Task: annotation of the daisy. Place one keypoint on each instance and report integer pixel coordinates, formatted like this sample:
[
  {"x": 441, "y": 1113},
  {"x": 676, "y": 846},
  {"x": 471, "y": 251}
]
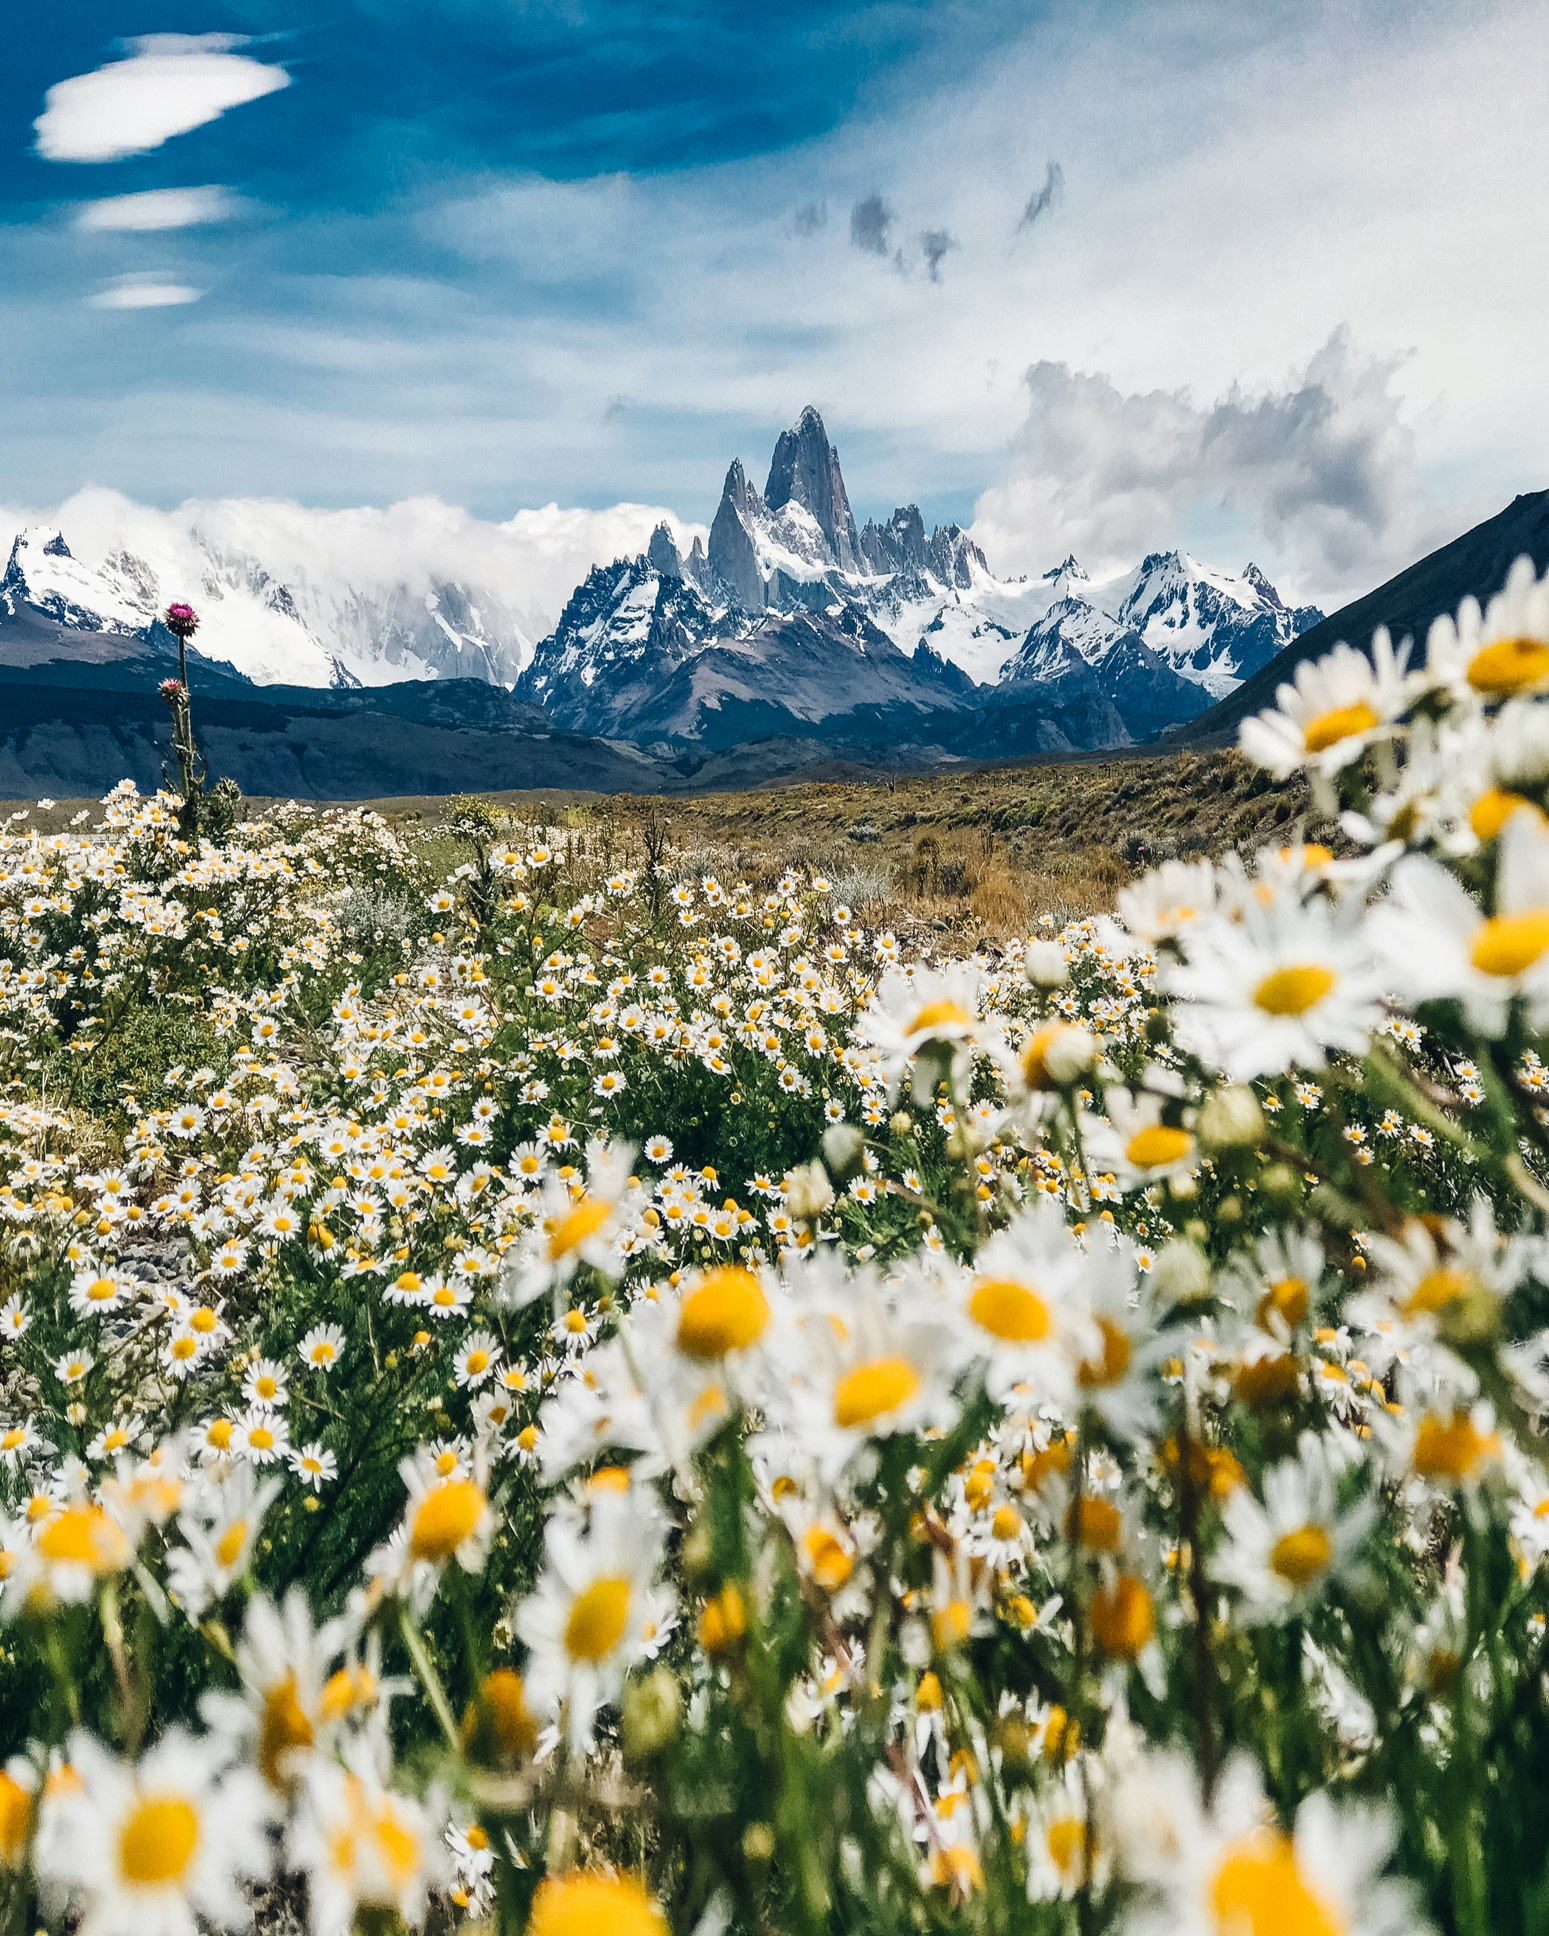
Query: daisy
[
  {"x": 930, "y": 1009},
  {"x": 1231, "y": 1868},
  {"x": 1283, "y": 1554},
  {"x": 321, "y": 1348},
  {"x": 1435, "y": 942},
  {"x": 265, "y": 1386},
  {"x": 877, "y": 1376},
  {"x": 1500, "y": 655},
  {"x": 1336, "y": 708},
  {"x": 1024, "y": 1307},
  {"x": 361, "y": 1845},
  {"x": 312, "y": 1465},
  {"x": 14, "y": 1316},
  {"x": 594, "y": 1612},
  {"x": 221, "y": 1528},
  {"x": 284, "y": 1663},
  {"x": 75, "y": 1547},
  {"x": 94, "y": 1292},
  {"x": 1275, "y": 989},
  {"x": 573, "y": 1230},
  {"x": 1135, "y": 1146},
  {"x": 262, "y": 1437},
  {"x": 162, "y": 1845},
  {"x": 477, "y": 1360}
]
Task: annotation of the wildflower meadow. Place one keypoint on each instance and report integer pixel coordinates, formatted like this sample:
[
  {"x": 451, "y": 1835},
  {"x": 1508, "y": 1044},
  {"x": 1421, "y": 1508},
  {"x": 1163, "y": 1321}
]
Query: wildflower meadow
[{"x": 546, "y": 1391}]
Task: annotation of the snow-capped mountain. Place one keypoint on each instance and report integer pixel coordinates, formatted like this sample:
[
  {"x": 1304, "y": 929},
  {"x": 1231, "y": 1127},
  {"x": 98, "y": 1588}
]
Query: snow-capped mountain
[
  {"x": 299, "y": 633},
  {"x": 1074, "y": 636},
  {"x": 688, "y": 649},
  {"x": 1208, "y": 625},
  {"x": 643, "y": 653},
  {"x": 782, "y": 617}
]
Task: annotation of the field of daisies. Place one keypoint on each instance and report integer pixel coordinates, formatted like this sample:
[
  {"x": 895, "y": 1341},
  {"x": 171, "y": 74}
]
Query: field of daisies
[{"x": 544, "y": 1389}]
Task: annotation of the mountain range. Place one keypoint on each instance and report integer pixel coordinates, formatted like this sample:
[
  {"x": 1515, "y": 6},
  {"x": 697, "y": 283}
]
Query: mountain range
[{"x": 786, "y": 624}]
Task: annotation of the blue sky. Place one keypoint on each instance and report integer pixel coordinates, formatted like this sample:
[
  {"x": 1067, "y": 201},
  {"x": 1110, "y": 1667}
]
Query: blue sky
[{"x": 1262, "y": 280}]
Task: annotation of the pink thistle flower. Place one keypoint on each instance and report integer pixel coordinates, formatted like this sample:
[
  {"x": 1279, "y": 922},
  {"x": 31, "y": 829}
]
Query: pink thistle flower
[{"x": 182, "y": 621}]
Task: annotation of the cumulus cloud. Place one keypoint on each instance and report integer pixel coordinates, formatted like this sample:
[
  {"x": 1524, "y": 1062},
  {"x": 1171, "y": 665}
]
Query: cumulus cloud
[
  {"x": 532, "y": 562},
  {"x": 1324, "y": 468},
  {"x": 159, "y": 208},
  {"x": 1043, "y": 199},
  {"x": 144, "y": 292},
  {"x": 934, "y": 245},
  {"x": 169, "y": 84},
  {"x": 870, "y": 220}
]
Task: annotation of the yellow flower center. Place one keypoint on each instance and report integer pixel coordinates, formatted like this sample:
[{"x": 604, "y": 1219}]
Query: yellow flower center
[
  {"x": 260, "y": 1438},
  {"x": 84, "y": 1536},
  {"x": 1258, "y": 1891},
  {"x": 597, "y": 1620},
  {"x": 1510, "y": 944},
  {"x": 1342, "y": 722},
  {"x": 936, "y": 1017},
  {"x": 219, "y": 1433},
  {"x": 1301, "y": 1556},
  {"x": 1437, "y": 1289},
  {"x": 322, "y": 1354},
  {"x": 874, "y": 1389},
  {"x": 726, "y": 1311},
  {"x": 1288, "y": 1299},
  {"x": 1007, "y": 1523},
  {"x": 14, "y": 1438},
  {"x": 228, "y": 1548},
  {"x": 398, "y": 1843},
  {"x": 585, "y": 1220},
  {"x": 15, "y": 1819},
  {"x": 477, "y": 1361},
  {"x": 1292, "y": 991},
  {"x": 588, "y": 1904},
  {"x": 1494, "y": 808},
  {"x": 831, "y": 1565},
  {"x": 1452, "y": 1447},
  {"x": 282, "y": 1726},
  {"x": 445, "y": 1518},
  {"x": 185, "y": 1348},
  {"x": 157, "y": 1842},
  {"x": 1123, "y": 1619},
  {"x": 100, "y": 1290},
  {"x": 265, "y": 1386},
  {"x": 1098, "y": 1525},
  {"x": 1094, "y": 1373},
  {"x": 1008, "y": 1310},
  {"x": 408, "y": 1283},
  {"x": 1507, "y": 665},
  {"x": 1067, "y": 1847},
  {"x": 1156, "y": 1147},
  {"x": 1035, "y": 1056}
]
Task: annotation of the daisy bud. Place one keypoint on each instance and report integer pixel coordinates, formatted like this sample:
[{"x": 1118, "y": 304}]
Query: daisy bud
[
  {"x": 842, "y": 1145},
  {"x": 1044, "y": 965},
  {"x": 808, "y": 1192},
  {"x": 1181, "y": 1274},
  {"x": 1230, "y": 1119},
  {"x": 651, "y": 1707}
]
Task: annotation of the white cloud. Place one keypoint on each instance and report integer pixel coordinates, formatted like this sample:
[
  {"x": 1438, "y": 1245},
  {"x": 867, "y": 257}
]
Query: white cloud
[
  {"x": 169, "y": 84},
  {"x": 144, "y": 292},
  {"x": 532, "y": 562},
  {"x": 1324, "y": 467},
  {"x": 159, "y": 208}
]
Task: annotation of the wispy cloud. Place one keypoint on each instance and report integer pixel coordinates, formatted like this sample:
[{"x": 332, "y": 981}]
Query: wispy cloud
[
  {"x": 169, "y": 84},
  {"x": 159, "y": 208},
  {"x": 144, "y": 292},
  {"x": 811, "y": 218},
  {"x": 1043, "y": 199},
  {"x": 870, "y": 220}
]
